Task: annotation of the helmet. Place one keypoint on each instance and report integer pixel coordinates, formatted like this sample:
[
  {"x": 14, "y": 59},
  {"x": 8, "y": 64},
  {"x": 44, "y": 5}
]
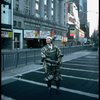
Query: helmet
[{"x": 49, "y": 37}]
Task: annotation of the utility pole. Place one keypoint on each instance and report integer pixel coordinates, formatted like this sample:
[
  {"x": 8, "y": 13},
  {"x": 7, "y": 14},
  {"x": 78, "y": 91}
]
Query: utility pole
[{"x": 12, "y": 24}]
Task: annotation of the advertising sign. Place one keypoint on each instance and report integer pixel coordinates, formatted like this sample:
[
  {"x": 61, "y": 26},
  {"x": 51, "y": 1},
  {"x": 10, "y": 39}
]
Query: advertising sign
[
  {"x": 72, "y": 32},
  {"x": 29, "y": 34},
  {"x": 6, "y": 34},
  {"x": 43, "y": 34}
]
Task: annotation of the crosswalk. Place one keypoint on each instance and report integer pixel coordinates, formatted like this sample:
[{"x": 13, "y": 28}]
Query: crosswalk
[{"x": 80, "y": 82}]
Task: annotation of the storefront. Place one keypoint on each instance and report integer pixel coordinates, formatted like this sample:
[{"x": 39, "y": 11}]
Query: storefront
[
  {"x": 6, "y": 40},
  {"x": 17, "y": 39},
  {"x": 35, "y": 39}
]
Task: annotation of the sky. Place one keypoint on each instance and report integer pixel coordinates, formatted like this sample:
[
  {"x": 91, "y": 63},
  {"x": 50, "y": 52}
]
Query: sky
[{"x": 93, "y": 13}]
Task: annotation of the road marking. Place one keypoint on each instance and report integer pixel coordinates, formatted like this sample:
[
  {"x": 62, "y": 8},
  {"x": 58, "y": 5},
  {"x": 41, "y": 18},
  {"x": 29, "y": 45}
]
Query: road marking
[
  {"x": 75, "y": 67},
  {"x": 91, "y": 57},
  {"x": 8, "y": 77},
  {"x": 85, "y": 62},
  {"x": 61, "y": 88},
  {"x": 87, "y": 79},
  {"x": 3, "y": 97},
  {"x": 81, "y": 65},
  {"x": 80, "y": 70}
]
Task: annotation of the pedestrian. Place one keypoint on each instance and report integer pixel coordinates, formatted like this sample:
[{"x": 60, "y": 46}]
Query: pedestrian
[{"x": 51, "y": 57}]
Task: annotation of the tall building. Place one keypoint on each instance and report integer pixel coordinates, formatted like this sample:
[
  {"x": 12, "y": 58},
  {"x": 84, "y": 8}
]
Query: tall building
[
  {"x": 82, "y": 9},
  {"x": 6, "y": 24},
  {"x": 83, "y": 17},
  {"x": 73, "y": 22},
  {"x": 34, "y": 19}
]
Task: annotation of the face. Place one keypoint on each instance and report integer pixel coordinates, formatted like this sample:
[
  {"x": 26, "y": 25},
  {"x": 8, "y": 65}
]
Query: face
[{"x": 48, "y": 40}]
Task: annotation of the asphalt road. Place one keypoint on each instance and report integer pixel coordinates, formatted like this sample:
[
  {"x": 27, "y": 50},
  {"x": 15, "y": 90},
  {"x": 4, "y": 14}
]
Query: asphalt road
[{"x": 80, "y": 82}]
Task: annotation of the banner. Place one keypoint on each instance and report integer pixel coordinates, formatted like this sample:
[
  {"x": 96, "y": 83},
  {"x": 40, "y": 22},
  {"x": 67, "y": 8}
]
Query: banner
[
  {"x": 6, "y": 34},
  {"x": 29, "y": 34},
  {"x": 44, "y": 34}
]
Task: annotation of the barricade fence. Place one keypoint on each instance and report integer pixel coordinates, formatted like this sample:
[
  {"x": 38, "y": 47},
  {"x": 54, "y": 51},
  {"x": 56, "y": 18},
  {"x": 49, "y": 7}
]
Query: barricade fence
[{"x": 16, "y": 58}]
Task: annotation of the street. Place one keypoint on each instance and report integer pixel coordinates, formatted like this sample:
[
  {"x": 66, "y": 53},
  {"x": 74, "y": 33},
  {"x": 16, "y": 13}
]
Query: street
[{"x": 80, "y": 82}]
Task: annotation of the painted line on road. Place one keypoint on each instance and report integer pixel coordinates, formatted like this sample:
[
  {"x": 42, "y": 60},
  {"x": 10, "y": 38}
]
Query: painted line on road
[
  {"x": 81, "y": 78},
  {"x": 85, "y": 62},
  {"x": 21, "y": 73},
  {"x": 91, "y": 56},
  {"x": 80, "y": 65},
  {"x": 61, "y": 88},
  {"x": 80, "y": 70},
  {"x": 3, "y": 97}
]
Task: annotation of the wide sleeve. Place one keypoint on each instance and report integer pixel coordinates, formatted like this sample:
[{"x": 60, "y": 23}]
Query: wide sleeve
[
  {"x": 43, "y": 57},
  {"x": 60, "y": 55},
  {"x": 43, "y": 54}
]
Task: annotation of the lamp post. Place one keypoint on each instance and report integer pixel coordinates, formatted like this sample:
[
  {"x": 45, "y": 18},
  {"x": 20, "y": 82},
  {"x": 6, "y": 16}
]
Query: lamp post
[{"x": 12, "y": 24}]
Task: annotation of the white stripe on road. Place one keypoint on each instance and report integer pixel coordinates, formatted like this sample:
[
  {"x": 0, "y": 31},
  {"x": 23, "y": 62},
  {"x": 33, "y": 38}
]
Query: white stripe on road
[
  {"x": 80, "y": 70},
  {"x": 61, "y": 88},
  {"x": 94, "y": 80},
  {"x": 21, "y": 73},
  {"x": 80, "y": 65},
  {"x": 85, "y": 62}
]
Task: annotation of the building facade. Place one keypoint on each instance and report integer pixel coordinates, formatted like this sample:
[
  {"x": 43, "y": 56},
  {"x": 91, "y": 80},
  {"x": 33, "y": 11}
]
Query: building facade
[
  {"x": 83, "y": 31},
  {"x": 83, "y": 17},
  {"x": 6, "y": 24},
  {"x": 82, "y": 11},
  {"x": 73, "y": 22},
  {"x": 33, "y": 20}
]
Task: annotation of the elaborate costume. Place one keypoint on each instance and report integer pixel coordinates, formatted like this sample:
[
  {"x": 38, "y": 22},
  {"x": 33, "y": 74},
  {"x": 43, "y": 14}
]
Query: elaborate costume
[{"x": 51, "y": 58}]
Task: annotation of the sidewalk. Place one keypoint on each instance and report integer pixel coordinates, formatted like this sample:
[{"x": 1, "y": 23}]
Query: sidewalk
[{"x": 32, "y": 67}]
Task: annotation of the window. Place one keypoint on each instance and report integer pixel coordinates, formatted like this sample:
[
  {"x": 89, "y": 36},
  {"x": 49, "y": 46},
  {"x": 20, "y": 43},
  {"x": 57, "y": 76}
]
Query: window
[
  {"x": 9, "y": 6},
  {"x": 19, "y": 24},
  {"x": 3, "y": 11},
  {"x": 52, "y": 13},
  {"x": 3, "y": 5},
  {"x": 45, "y": 2},
  {"x": 37, "y": 0},
  {"x": 26, "y": 10},
  {"x": 17, "y": 7},
  {"x": 52, "y": 5},
  {"x": 37, "y": 6},
  {"x": 45, "y": 17},
  {"x": 26, "y": 2},
  {"x": 37, "y": 15},
  {"x": 15, "y": 23}
]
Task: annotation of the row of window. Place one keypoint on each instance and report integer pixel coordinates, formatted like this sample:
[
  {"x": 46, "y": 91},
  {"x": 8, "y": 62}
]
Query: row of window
[{"x": 17, "y": 24}]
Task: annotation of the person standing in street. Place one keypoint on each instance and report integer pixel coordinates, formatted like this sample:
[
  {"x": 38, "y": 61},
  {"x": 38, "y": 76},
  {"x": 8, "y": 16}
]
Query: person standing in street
[{"x": 51, "y": 57}]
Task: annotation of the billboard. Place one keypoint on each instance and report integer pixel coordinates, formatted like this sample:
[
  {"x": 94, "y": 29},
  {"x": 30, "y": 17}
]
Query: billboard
[
  {"x": 29, "y": 34},
  {"x": 36, "y": 34}
]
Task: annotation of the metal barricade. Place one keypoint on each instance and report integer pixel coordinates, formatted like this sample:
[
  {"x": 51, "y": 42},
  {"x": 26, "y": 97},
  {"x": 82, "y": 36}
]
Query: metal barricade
[{"x": 17, "y": 58}]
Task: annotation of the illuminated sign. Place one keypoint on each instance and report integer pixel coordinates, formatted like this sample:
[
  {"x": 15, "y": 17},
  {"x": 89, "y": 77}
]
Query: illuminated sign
[{"x": 72, "y": 34}]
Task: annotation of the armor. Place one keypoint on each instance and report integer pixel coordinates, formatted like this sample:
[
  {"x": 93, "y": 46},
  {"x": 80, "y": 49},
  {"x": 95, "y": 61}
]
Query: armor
[{"x": 51, "y": 59}]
